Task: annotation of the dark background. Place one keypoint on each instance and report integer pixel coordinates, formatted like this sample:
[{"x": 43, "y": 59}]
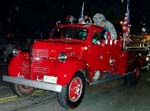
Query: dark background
[{"x": 28, "y": 18}]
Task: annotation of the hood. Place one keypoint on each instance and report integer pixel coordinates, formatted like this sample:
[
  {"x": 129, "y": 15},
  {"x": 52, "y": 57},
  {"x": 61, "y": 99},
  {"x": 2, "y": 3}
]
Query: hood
[{"x": 52, "y": 48}]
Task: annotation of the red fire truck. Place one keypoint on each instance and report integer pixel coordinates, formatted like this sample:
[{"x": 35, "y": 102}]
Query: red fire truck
[{"x": 74, "y": 56}]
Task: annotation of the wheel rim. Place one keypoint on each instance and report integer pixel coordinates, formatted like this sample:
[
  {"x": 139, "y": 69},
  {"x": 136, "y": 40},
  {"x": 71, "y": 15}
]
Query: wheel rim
[
  {"x": 75, "y": 89},
  {"x": 26, "y": 88},
  {"x": 137, "y": 73}
]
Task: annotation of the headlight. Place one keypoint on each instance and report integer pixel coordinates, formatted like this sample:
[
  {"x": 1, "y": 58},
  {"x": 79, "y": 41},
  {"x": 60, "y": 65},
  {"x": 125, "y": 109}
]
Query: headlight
[
  {"x": 147, "y": 58},
  {"x": 15, "y": 52},
  {"x": 62, "y": 57}
]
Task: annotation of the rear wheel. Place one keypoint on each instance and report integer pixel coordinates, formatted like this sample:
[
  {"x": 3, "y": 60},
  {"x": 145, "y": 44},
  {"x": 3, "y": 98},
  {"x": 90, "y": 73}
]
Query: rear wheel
[
  {"x": 134, "y": 78},
  {"x": 22, "y": 90},
  {"x": 72, "y": 94},
  {"x": 148, "y": 67}
]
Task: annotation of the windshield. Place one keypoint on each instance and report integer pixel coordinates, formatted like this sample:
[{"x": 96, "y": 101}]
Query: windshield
[{"x": 69, "y": 33}]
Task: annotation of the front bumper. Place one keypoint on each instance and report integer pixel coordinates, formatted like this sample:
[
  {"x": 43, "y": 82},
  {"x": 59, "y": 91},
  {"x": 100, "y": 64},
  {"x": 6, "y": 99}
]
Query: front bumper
[{"x": 36, "y": 84}]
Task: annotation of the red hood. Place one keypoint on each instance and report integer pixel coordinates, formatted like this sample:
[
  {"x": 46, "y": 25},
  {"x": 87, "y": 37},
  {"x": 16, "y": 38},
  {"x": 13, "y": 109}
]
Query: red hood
[{"x": 54, "y": 47}]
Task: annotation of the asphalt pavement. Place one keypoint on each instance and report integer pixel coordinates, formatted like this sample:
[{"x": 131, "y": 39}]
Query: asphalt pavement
[{"x": 111, "y": 96}]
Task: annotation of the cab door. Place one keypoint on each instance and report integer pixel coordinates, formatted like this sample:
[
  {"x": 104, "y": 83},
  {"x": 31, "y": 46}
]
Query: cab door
[{"x": 98, "y": 53}]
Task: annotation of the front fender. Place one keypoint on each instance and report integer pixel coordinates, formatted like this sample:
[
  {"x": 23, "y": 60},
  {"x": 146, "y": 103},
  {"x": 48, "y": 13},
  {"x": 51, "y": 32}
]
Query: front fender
[
  {"x": 16, "y": 63},
  {"x": 66, "y": 71}
]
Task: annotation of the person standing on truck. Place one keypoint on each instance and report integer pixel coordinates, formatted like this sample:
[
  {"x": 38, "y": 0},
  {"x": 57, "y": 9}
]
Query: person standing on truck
[{"x": 99, "y": 19}]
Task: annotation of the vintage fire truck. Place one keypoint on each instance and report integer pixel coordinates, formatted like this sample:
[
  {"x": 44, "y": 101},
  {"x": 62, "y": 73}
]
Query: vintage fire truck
[{"x": 74, "y": 56}]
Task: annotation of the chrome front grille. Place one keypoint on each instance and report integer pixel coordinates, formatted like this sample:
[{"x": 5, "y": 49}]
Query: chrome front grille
[
  {"x": 40, "y": 65},
  {"x": 40, "y": 69},
  {"x": 25, "y": 68},
  {"x": 43, "y": 53}
]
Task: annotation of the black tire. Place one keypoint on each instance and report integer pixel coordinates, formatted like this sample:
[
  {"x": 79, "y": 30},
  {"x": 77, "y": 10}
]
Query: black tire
[
  {"x": 21, "y": 90},
  {"x": 148, "y": 68},
  {"x": 134, "y": 78},
  {"x": 73, "y": 93}
]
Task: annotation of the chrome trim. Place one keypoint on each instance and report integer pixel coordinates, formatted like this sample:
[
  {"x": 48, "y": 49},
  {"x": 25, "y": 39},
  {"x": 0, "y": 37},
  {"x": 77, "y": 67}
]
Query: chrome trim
[
  {"x": 36, "y": 84},
  {"x": 62, "y": 57}
]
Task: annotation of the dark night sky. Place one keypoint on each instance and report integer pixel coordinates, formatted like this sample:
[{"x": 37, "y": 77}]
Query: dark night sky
[{"x": 33, "y": 16}]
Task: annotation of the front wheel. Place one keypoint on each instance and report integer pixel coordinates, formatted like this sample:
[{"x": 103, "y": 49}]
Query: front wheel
[
  {"x": 72, "y": 94},
  {"x": 22, "y": 90}
]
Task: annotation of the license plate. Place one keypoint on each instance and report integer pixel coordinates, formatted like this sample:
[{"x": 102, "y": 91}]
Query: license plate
[{"x": 50, "y": 79}]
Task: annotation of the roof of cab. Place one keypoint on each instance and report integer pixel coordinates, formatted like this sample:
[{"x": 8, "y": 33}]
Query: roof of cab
[{"x": 87, "y": 26}]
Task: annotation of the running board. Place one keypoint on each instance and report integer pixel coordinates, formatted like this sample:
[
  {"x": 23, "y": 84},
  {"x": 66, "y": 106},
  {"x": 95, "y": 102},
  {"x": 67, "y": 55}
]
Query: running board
[{"x": 110, "y": 78}]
